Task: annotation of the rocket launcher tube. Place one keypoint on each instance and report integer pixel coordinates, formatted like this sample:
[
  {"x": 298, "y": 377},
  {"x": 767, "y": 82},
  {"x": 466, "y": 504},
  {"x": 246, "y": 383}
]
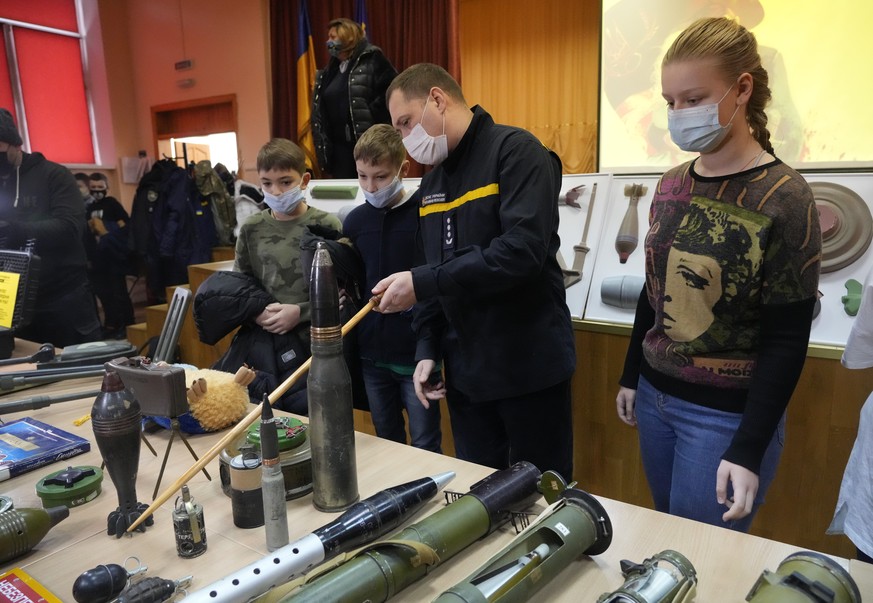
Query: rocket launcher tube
[
  {"x": 364, "y": 522},
  {"x": 805, "y": 576},
  {"x": 577, "y": 524},
  {"x": 383, "y": 571}
]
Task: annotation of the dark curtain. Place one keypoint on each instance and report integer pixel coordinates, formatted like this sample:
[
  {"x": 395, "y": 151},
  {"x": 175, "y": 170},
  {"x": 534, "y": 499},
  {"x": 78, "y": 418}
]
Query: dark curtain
[
  {"x": 283, "y": 61},
  {"x": 407, "y": 31}
]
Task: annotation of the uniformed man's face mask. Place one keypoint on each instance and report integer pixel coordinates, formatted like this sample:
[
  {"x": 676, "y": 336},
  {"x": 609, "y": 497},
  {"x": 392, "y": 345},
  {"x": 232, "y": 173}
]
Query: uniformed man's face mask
[{"x": 424, "y": 148}]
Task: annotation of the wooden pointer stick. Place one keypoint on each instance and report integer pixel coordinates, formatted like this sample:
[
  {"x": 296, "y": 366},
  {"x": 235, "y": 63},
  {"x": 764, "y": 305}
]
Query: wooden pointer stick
[{"x": 240, "y": 427}]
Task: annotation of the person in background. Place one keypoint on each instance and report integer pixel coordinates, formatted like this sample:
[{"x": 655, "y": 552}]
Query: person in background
[
  {"x": 383, "y": 230},
  {"x": 39, "y": 201},
  {"x": 854, "y": 509},
  {"x": 82, "y": 180},
  {"x": 491, "y": 301},
  {"x": 107, "y": 246},
  {"x": 349, "y": 96},
  {"x": 732, "y": 265}
]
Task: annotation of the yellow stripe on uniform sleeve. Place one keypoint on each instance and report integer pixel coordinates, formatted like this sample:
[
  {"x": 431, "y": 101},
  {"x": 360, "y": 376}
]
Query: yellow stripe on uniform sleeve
[{"x": 477, "y": 193}]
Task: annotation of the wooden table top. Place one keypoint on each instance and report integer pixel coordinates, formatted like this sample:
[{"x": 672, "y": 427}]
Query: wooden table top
[{"x": 727, "y": 563}]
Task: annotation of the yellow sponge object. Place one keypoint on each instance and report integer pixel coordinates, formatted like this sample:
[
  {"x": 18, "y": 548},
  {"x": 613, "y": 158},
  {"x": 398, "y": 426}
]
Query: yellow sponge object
[{"x": 216, "y": 399}]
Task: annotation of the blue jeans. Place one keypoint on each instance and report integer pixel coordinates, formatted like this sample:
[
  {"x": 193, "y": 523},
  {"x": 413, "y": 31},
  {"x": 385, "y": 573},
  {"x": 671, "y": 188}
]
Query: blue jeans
[
  {"x": 682, "y": 444},
  {"x": 389, "y": 393}
]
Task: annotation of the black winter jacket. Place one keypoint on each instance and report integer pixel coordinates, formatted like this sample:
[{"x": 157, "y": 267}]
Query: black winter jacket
[
  {"x": 371, "y": 73},
  {"x": 227, "y": 300},
  {"x": 491, "y": 295},
  {"x": 42, "y": 202},
  {"x": 386, "y": 239}
]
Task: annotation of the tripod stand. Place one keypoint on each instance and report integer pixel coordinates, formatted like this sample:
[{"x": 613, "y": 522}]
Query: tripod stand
[{"x": 174, "y": 430}]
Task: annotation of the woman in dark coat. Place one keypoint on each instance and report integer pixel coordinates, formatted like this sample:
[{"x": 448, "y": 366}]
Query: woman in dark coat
[{"x": 349, "y": 96}]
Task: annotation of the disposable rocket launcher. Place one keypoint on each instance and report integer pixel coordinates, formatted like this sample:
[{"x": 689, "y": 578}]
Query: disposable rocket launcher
[
  {"x": 364, "y": 522},
  {"x": 805, "y": 576},
  {"x": 385, "y": 569},
  {"x": 575, "y": 525}
]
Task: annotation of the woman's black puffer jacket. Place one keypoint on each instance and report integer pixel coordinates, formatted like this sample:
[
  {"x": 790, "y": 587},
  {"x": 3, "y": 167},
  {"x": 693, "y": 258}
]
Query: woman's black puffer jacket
[{"x": 371, "y": 73}]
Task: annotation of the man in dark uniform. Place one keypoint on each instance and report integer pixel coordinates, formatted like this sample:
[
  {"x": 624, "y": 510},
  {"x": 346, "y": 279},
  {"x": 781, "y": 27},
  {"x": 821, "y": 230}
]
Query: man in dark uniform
[
  {"x": 490, "y": 299},
  {"x": 40, "y": 201}
]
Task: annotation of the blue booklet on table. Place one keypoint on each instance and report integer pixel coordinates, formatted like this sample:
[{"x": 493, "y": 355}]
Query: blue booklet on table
[{"x": 27, "y": 444}]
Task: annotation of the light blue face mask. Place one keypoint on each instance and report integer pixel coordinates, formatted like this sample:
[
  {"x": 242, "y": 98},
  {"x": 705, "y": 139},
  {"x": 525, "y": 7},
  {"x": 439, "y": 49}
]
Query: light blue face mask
[
  {"x": 382, "y": 197},
  {"x": 697, "y": 129},
  {"x": 286, "y": 202}
]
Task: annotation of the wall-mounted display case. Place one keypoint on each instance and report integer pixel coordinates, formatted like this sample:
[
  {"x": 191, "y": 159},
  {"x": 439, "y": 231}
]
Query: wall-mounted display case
[{"x": 602, "y": 243}]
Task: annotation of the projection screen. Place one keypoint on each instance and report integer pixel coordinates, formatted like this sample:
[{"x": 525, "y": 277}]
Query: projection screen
[{"x": 818, "y": 55}]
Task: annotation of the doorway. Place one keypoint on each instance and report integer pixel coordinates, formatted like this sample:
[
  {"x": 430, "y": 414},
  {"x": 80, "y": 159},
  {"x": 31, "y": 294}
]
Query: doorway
[{"x": 190, "y": 131}]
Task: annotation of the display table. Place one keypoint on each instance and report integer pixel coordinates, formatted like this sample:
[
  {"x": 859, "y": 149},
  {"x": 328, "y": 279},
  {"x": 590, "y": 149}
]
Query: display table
[{"x": 727, "y": 563}]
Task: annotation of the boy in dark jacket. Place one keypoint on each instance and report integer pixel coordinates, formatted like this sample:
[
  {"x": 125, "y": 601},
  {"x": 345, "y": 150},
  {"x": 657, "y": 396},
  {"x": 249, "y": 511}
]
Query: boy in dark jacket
[{"x": 383, "y": 229}]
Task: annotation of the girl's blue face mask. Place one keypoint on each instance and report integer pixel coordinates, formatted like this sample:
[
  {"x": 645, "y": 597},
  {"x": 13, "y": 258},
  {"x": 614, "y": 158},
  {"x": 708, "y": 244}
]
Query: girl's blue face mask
[{"x": 697, "y": 129}]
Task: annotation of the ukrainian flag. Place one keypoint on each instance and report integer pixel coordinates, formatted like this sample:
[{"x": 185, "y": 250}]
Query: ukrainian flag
[
  {"x": 305, "y": 86},
  {"x": 361, "y": 14}
]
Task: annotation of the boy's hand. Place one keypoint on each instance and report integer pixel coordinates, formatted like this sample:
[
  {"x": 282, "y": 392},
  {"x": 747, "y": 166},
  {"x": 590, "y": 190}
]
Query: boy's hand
[
  {"x": 397, "y": 292},
  {"x": 428, "y": 385},
  {"x": 279, "y": 318},
  {"x": 343, "y": 299}
]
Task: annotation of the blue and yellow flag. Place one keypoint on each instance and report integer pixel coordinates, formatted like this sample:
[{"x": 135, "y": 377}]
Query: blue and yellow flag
[
  {"x": 305, "y": 86},
  {"x": 361, "y": 14}
]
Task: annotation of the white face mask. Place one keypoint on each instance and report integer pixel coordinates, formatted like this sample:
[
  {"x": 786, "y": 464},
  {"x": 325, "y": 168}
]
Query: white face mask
[
  {"x": 424, "y": 148},
  {"x": 286, "y": 202},
  {"x": 697, "y": 129},
  {"x": 382, "y": 197}
]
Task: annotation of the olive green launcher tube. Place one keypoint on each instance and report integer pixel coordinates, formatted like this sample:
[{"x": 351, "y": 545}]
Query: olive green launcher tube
[
  {"x": 578, "y": 526},
  {"x": 383, "y": 571}
]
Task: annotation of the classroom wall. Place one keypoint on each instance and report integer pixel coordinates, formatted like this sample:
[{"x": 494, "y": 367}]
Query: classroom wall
[{"x": 228, "y": 41}]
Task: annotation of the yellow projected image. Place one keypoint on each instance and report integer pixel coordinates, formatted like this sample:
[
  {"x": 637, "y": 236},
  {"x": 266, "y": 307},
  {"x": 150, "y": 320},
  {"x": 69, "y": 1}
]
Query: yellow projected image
[{"x": 817, "y": 56}]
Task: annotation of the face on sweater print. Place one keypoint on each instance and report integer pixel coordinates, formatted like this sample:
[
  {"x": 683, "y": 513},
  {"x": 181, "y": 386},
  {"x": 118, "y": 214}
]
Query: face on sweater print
[
  {"x": 712, "y": 270},
  {"x": 692, "y": 289}
]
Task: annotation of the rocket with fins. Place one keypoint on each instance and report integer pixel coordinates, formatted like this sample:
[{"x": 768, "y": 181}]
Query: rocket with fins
[{"x": 362, "y": 523}]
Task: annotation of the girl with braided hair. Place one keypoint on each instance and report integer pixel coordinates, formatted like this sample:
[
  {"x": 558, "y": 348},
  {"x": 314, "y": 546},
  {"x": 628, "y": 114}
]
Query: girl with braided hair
[{"x": 732, "y": 264}]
